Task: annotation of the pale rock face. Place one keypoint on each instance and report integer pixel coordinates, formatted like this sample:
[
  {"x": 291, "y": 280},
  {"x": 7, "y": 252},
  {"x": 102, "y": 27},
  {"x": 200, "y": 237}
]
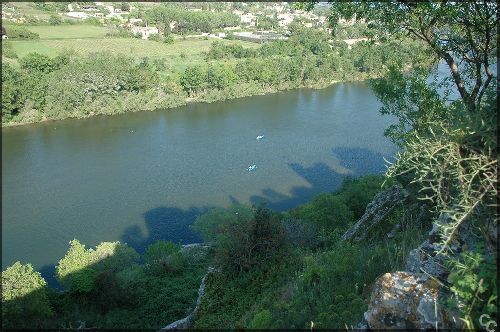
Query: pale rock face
[
  {"x": 411, "y": 298},
  {"x": 404, "y": 300}
]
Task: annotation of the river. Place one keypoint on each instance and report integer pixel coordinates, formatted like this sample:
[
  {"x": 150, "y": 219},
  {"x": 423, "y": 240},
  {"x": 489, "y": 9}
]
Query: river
[{"x": 143, "y": 176}]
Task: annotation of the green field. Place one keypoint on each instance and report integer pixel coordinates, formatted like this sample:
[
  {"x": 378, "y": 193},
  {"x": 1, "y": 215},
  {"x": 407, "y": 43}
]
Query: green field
[
  {"x": 68, "y": 31},
  {"x": 193, "y": 49}
]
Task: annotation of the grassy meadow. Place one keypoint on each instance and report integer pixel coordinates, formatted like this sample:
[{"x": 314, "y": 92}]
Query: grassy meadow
[
  {"x": 76, "y": 31},
  {"x": 84, "y": 39}
]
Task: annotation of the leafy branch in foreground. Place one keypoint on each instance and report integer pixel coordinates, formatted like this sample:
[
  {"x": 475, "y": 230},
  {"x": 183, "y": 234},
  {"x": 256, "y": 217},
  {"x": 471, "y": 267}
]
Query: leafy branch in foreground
[
  {"x": 463, "y": 34},
  {"x": 457, "y": 184}
]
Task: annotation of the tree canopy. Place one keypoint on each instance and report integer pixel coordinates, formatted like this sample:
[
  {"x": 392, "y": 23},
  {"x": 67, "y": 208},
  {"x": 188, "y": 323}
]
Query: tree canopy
[{"x": 462, "y": 33}]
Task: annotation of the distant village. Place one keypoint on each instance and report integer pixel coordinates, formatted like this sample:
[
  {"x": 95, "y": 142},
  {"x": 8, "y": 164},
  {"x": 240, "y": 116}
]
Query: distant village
[{"x": 123, "y": 15}]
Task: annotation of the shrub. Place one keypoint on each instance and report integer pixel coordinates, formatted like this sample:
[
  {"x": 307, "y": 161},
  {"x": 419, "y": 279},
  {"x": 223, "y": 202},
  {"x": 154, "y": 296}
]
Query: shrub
[
  {"x": 12, "y": 98},
  {"x": 473, "y": 282},
  {"x": 100, "y": 75},
  {"x": 165, "y": 256},
  {"x": 169, "y": 39},
  {"x": 8, "y": 51},
  {"x": 14, "y": 32},
  {"x": 359, "y": 192},
  {"x": 242, "y": 242},
  {"x": 261, "y": 320},
  {"x": 79, "y": 268},
  {"x": 328, "y": 211},
  {"x": 193, "y": 79},
  {"x": 24, "y": 298},
  {"x": 55, "y": 20},
  {"x": 37, "y": 62},
  {"x": 300, "y": 233},
  {"x": 154, "y": 37}
]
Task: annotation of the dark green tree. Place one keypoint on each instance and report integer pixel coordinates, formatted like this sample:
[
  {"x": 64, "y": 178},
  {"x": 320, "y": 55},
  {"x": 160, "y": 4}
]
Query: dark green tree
[
  {"x": 193, "y": 79},
  {"x": 12, "y": 97},
  {"x": 55, "y": 20},
  {"x": 24, "y": 298}
]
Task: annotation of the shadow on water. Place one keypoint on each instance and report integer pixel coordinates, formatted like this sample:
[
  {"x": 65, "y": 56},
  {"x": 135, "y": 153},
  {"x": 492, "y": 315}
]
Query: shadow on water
[
  {"x": 322, "y": 178},
  {"x": 164, "y": 223},
  {"x": 172, "y": 223}
]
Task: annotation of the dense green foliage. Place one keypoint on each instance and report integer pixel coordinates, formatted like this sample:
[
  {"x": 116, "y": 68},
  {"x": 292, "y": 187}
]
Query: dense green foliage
[
  {"x": 105, "y": 287},
  {"x": 80, "y": 268},
  {"x": 327, "y": 282},
  {"x": 473, "y": 282},
  {"x": 306, "y": 58},
  {"x": 189, "y": 21},
  {"x": 19, "y": 32},
  {"x": 242, "y": 242},
  {"x": 24, "y": 297},
  {"x": 69, "y": 86}
]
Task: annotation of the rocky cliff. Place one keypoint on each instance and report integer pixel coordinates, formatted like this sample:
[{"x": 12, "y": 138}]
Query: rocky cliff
[{"x": 411, "y": 298}]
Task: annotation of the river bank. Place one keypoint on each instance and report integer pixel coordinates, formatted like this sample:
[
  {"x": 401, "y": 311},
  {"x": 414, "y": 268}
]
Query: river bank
[{"x": 155, "y": 100}]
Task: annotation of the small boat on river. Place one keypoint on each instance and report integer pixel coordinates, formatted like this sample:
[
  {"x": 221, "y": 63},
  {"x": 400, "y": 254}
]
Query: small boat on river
[
  {"x": 252, "y": 168},
  {"x": 259, "y": 137}
]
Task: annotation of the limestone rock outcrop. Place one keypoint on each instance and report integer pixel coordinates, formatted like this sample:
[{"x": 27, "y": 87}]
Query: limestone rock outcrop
[
  {"x": 379, "y": 208},
  {"x": 404, "y": 300},
  {"x": 412, "y": 299}
]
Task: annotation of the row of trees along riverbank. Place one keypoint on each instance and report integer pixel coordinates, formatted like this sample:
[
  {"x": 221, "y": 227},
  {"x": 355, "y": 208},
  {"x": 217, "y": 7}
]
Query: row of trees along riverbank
[{"x": 44, "y": 88}]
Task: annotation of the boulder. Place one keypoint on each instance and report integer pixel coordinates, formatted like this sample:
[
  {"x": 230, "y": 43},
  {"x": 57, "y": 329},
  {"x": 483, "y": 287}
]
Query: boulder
[{"x": 404, "y": 300}]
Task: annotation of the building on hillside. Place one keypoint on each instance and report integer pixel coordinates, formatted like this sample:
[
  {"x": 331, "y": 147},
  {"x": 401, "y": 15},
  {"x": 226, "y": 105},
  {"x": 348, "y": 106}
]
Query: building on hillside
[
  {"x": 259, "y": 36},
  {"x": 135, "y": 21},
  {"x": 89, "y": 8},
  {"x": 172, "y": 25},
  {"x": 279, "y": 8},
  {"x": 115, "y": 15},
  {"x": 284, "y": 19},
  {"x": 80, "y": 15},
  {"x": 145, "y": 31}
]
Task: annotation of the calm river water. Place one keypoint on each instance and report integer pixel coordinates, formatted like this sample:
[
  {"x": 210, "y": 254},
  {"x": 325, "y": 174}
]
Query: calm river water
[{"x": 144, "y": 176}]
